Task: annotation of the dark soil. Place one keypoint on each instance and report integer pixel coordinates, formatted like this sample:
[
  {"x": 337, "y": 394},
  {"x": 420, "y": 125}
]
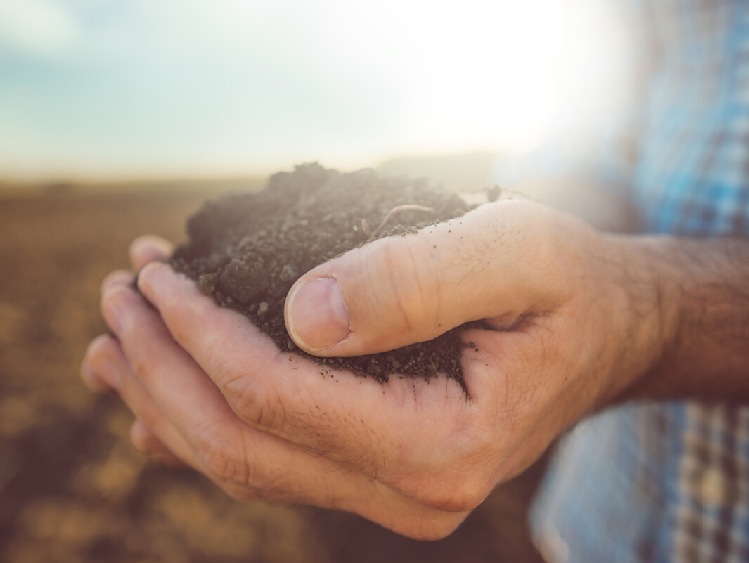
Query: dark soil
[{"x": 247, "y": 250}]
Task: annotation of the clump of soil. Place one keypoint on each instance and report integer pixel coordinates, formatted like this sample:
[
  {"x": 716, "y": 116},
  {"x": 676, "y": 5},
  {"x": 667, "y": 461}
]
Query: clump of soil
[{"x": 246, "y": 250}]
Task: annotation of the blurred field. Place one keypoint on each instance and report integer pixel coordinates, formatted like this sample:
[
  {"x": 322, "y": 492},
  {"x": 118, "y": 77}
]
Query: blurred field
[{"x": 73, "y": 489}]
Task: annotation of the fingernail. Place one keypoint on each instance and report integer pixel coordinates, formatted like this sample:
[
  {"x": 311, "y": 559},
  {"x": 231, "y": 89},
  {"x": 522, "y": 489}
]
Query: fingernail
[{"x": 316, "y": 314}]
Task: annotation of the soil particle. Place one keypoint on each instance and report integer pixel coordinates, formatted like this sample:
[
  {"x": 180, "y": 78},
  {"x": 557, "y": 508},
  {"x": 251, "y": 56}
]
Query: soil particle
[{"x": 246, "y": 250}]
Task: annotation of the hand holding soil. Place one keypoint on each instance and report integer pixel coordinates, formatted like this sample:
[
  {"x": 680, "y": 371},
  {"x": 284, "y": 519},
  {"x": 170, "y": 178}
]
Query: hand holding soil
[
  {"x": 246, "y": 251},
  {"x": 414, "y": 455}
]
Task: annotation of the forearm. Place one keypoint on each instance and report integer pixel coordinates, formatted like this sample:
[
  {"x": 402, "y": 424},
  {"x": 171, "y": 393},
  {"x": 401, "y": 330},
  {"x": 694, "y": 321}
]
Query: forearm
[{"x": 700, "y": 298}]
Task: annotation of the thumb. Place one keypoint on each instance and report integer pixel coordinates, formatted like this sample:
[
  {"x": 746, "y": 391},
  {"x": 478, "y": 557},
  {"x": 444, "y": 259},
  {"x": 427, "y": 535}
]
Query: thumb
[{"x": 405, "y": 289}]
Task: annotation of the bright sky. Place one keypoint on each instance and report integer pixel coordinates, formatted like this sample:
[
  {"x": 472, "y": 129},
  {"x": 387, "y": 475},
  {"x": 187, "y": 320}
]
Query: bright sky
[{"x": 101, "y": 88}]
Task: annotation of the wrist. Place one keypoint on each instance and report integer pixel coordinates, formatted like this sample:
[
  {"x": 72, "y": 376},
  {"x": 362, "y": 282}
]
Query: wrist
[
  {"x": 699, "y": 290},
  {"x": 649, "y": 314}
]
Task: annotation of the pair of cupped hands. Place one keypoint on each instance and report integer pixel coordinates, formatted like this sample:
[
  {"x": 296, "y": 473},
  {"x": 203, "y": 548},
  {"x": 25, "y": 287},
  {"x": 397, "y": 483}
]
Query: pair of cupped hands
[{"x": 559, "y": 339}]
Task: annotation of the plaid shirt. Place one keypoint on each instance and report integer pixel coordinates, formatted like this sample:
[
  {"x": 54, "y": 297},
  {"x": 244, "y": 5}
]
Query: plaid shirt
[{"x": 667, "y": 482}]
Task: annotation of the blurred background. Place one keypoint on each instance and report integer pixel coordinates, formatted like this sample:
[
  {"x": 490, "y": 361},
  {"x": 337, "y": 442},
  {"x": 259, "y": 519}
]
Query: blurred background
[
  {"x": 118, "y": 118},
  {"x": 101, "y": 90}
]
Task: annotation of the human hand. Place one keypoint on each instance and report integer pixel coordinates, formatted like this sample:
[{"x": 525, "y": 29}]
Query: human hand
[{"x": 413, "y": 455}]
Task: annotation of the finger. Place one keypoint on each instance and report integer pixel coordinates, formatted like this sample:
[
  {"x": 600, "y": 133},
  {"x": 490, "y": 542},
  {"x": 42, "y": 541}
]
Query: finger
[
  {"x": 405, "y": 289},
  {"x": 93, "y": 371},
  {"x": 97, "y": 351},
  {"x": 145, "y": 441},
  {"x": 329, "y": 411},
  {"x": 245, "y": 460},
  {"x": 109, "y": 364},
  {"x": 148, "y": 248},
  {"x": 118, "y": 277}
]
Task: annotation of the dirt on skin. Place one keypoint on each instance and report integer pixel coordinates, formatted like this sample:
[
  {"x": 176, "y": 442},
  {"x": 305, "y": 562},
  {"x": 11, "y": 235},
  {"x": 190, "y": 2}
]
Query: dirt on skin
[{"x": 247, "y": 250}]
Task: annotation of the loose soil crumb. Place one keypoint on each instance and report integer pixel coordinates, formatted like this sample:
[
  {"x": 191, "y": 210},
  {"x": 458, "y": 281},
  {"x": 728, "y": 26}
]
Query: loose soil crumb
[{"x": 246, "y": 250}]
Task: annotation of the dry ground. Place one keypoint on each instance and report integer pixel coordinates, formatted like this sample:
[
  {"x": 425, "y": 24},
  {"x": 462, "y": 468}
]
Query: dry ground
[{"x": 73, "y": 489}]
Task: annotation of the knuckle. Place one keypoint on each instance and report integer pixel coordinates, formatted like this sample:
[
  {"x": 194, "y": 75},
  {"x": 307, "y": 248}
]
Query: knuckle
[
  {"x": 458, "y": 496},
  {"x": 464, "y": 474},
  {"x": 211, "y": 347},
  {"x": 267, "y": 487},
  {"x": 467, "y": 496},
  {"x": 141, "y": 367},
  {"x": 221, "y": 465},
  {"x": 254, "y": 407},
  {"x": 240, "y": 492},
  {"x": 226, "y": 368},
  {"x": 222, "y": 458}
]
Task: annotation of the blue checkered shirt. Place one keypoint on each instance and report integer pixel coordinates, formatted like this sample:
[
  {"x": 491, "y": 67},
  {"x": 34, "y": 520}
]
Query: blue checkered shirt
[{"x": 666, "y": 481}]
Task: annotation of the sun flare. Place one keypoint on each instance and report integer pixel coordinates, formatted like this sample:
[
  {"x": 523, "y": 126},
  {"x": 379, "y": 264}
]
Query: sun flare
[
  {"x": 159, "y": 87},
  {"x": 494, "y": 75}
]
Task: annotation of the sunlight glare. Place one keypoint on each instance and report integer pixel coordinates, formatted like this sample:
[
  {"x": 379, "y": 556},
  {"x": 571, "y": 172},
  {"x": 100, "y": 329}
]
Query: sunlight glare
[{"x": 495, "y": 75}]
